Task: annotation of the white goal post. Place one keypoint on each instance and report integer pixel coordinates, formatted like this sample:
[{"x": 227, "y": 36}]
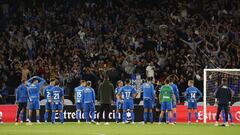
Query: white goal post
[{"x": 208, "y": 73}]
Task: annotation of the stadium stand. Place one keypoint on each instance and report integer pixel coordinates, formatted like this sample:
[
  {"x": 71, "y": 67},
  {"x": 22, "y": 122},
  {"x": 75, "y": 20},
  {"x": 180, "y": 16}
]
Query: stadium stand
[{"x": 78, "y": 39}]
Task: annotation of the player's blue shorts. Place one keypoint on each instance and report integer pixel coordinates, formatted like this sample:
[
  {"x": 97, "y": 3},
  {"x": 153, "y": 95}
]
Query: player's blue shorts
[
  {"x": 89, "y": 107},
  {"x": 57, "y": 106},
  {"x": 48, "y": 106},
  {"x": 34, "y": 105},
  {"x": 192, "y": 105},
  {"x": 119, "y": 105},
  {"x": 174, "y": 105},
  {"x": 128, "y": 105},
  {"x": 166, "y": 106},
  {"x": 147, "y": 103},
  {"x": 79, "y": 106}
]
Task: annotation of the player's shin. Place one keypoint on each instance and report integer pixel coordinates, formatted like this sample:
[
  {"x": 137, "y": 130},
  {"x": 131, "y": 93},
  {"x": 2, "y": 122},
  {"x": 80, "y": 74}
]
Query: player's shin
[
  {"x": 117, "y": 116},
  {"x": 61, "y": 117},
  {"x": 92, "y": 115},
  {"x": 189, "y": 116},
  {"x": 78, "y": 115},
  {"x": 230, "y": 117},
  {"x": 21, "y": 117},
  {"x": 145, "y": 116},
  {"x": 196, "y": 115},
  {"x": 124, "y": 118},
  {"x": 86, "y": 113},
  {"x": 132, "y": 115},
  {"x": 167, "y": 120},
  {"x": 170, "y": 116},
  {"x": 175, "y": 116},
  {"x": 53, "y": 116},
  {"x": 46, "y": 116},
  {"x": 151, "y": 117}
]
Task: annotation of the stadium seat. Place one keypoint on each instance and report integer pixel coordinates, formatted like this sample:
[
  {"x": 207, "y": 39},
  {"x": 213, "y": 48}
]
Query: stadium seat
[
  {"x": 43, "y": 102},
  {"x": 236, "y": 103},
  {"x": 68, "y": 102},
  {"x": 141, "y": 102}
]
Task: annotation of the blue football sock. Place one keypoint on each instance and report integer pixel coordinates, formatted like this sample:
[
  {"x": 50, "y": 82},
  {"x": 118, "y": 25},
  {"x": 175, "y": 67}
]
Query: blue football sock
[
  {"x": 223, "y": 117},
  {"x": 132, "y": 115},
  {"x": 145, "y": 116},
  {"x": 189, "y": 116},
  {"x": 46, "y": 116},
  {"x": 170, "y": 119},
  {"x": 86, "y": 116},
  {"x": 53, "y": 117},
  {"x": 151, "y": 117},
  {"x": 124, "y": 118},
  {"x": 175, "y": 117},
  {"x": 196, "y": 115},
  {"x": 93, "y": 114},
  {"x": 160, "y": 119},
  {"x": 116, "y": 116},
  {"x": 61, "y": 117},
  {"x": 230, "y": 117},
  {"x": 21, "y": 116},
  {"x": 78, "y": 115},
  {"x": 167, "y": 117}
]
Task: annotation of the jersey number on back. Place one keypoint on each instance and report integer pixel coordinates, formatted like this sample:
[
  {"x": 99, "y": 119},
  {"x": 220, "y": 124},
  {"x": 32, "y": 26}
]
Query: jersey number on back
[
  {"x": 56, "y": 96},
  {"x": 127, "y": 95}
]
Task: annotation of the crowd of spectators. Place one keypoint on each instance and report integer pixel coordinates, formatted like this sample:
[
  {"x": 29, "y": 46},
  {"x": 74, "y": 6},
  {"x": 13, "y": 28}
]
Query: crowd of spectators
[{"x": 86, "y": 39}]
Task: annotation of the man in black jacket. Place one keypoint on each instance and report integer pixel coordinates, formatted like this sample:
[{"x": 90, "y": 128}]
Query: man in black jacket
[
  {"x": 106, "y": 96},
  {"x": 223, "y": 96}
]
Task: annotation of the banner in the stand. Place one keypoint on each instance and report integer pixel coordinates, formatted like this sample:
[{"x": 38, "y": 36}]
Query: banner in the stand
[{"x": 9, "y": 114}]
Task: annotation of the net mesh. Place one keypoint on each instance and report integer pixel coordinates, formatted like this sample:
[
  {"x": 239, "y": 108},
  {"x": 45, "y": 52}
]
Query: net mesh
[{"x": 214, "y": 80}]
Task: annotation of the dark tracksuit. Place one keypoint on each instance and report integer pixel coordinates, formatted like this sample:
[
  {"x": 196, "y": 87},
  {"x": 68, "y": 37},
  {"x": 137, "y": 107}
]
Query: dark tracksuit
[
  {"x": 106, "y": 96},
  {"x": 223, "y": 96}
]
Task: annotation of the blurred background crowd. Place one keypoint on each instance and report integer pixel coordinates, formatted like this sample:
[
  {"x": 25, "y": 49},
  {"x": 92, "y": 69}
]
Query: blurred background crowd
[{"x": 86, "y": 39}]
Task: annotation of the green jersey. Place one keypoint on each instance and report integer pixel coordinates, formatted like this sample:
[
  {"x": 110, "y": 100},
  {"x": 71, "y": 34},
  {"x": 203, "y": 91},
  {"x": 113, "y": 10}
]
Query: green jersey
[{"x": 166, "y": 93}]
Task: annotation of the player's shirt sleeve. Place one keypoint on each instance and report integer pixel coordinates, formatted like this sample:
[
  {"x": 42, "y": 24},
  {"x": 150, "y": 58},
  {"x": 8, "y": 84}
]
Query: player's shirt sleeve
[
  {"x": 153, "y": 92},
  {"x": 186, "y": 93},
  {"x": 134, "y": 91},
  {"x": 42, "y": 81},
  {"x": 83, "y": 93},
  {"x": 199, "y": 94},
  {"x": 17, "y": 93},
  {"x": 177, "y": 93},
  {"x": 141, "y": 88},
  {"x": 93, "y": 94}
]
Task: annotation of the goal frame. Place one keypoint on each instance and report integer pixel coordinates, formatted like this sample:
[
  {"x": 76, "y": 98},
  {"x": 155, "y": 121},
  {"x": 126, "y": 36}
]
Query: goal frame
[{"x": 205, "y": 88}]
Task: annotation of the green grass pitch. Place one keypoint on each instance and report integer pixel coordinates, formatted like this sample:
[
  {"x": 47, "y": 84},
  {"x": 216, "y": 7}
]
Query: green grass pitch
[{"x": 117, "y": 129}]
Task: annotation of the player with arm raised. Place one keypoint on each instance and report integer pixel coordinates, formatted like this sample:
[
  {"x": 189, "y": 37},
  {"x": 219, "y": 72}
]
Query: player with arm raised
[
  {"x": 166, "y": 98},
  {"x": 57, "y": 99},
  {"x": 47, "y": 96},
  {"x": 192, "y": 94},
  {"x": 118, "y": 101},
  {"x": 129, "y": 93},
  {"x": 34, "y": 85},
  {"x": 174, "y": 105},
  {"x": 88, "y": 98},
  {"x": 148, "y": 100},
  {"x": 78, "y": 98}
]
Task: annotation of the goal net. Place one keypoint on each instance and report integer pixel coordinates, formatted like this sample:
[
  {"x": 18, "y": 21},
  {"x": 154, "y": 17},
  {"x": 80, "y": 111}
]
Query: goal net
[{"x": 212, "y": 79}]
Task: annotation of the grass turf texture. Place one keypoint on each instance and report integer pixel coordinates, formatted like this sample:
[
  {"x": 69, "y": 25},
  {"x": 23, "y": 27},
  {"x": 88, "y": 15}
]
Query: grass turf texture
[{"x": 117, "y": 129}]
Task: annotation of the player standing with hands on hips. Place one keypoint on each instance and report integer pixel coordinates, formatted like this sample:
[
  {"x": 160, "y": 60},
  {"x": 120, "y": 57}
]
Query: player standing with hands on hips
[{"x": 192, "y": 94}]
